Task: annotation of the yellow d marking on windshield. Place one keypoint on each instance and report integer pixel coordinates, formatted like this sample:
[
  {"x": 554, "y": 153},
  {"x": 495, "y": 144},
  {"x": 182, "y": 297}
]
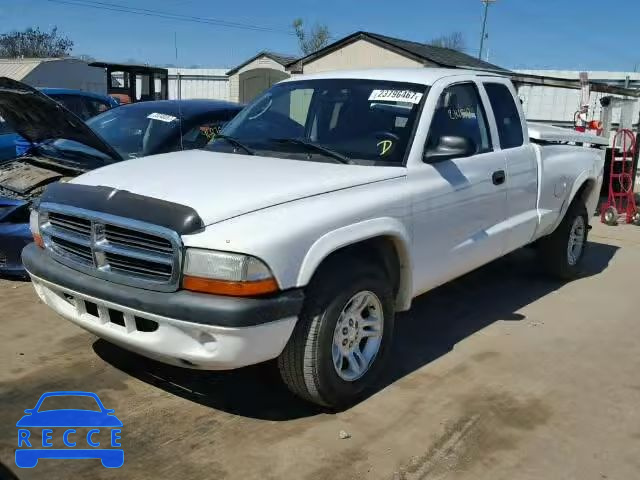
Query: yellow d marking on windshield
[{"x": 385, "y": 146}]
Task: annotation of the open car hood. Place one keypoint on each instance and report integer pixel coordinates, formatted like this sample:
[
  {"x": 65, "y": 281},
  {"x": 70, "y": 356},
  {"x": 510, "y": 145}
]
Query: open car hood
[{"x": 37, "y": 118}]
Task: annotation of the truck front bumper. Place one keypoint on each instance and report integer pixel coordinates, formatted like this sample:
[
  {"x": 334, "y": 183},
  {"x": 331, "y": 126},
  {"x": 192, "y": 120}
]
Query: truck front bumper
[{"x": 181, "y": 328}]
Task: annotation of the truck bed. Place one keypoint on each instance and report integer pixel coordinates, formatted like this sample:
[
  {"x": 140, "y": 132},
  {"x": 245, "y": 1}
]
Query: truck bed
[{"x": 548, "y": 133}]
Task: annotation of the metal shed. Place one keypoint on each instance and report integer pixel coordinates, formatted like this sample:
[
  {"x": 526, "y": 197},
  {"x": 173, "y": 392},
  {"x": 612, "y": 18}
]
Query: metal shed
[
  {"x": 56, "y": 73},
  {"x": 187, "y": 83}
]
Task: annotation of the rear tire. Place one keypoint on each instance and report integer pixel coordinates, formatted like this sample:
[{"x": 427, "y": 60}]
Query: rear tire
[
  {"x": 562, "y": 252},
  {"x": 611, "y": 216},
  {"x": 332, "y": 364}
]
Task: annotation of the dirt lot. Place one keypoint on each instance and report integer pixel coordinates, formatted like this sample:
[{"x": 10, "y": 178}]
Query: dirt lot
[{"x": 502, "y": 374}]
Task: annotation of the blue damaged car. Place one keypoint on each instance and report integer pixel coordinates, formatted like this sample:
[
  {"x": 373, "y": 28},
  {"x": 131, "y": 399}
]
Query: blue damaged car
[
  {"x": 84, "y": 104},
  {"x": 64, "y": 147},
  {"x": 36, "y": 444}
]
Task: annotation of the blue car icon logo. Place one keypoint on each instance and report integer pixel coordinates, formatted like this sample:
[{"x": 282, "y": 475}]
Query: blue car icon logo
[{"x": 84, "y": 433}]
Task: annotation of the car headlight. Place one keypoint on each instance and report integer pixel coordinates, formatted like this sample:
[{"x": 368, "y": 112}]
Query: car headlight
[
  {"x": 34, "y": 226},
  {"x": 225, "y": 273}
]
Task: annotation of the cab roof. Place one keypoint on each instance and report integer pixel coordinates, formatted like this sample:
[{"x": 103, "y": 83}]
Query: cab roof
[{"x": 424, "y": 76}]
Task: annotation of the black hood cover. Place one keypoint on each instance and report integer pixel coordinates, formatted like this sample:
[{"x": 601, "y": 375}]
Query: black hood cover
[{"x": 37, "y": 118}]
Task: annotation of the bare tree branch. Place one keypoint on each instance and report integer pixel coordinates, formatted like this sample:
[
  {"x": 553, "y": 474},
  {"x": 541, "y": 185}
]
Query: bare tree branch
[
  {"x": 453, "y": 41},
  {"x": 34, "y": 43},
  {"x": 312, "y": 40}
]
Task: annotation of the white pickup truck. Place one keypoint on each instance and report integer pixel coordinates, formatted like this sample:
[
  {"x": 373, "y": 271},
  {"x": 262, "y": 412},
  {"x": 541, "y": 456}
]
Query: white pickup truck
[{"x": 323, "y": 208}]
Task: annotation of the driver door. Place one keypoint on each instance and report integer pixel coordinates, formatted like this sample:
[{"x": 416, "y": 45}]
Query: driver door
[{"x": 459, "y": 204}]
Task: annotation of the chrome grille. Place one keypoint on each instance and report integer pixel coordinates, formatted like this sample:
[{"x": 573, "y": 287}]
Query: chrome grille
[
  {"x": 122, "y": 236},
  {"x": 83, "y": 252},
  {"x": 80, "y": 226},
  {"x": 138, "y": 266},
  {"x": 113, "y": 248}
]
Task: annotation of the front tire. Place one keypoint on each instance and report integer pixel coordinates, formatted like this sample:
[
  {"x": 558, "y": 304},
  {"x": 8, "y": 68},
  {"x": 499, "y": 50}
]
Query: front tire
[
  {"x": 343, "y": 335},
  {"x": 563, "y": 251}
]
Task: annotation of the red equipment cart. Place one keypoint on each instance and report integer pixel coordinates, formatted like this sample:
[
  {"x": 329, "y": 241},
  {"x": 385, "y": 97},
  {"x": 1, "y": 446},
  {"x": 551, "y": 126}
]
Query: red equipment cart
[{"x": 622, "y": 201}]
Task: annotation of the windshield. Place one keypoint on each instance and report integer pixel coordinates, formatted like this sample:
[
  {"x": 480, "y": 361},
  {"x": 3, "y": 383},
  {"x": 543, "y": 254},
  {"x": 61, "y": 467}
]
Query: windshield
[
  {"x": 136, "y": 131},
  {"x": 62, "y": 402},
  {"x": 365, "y": 121}
]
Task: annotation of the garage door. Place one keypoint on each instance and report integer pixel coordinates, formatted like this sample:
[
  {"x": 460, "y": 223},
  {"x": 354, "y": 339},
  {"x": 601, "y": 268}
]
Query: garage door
[{"x": 254, "y": 82}]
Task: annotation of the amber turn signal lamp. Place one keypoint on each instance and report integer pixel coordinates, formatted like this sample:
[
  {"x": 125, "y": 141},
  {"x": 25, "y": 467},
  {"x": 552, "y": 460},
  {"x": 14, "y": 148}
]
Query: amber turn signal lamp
[
  {"x": 233, "y": 289},
  {"x": 38, "y": 240}
]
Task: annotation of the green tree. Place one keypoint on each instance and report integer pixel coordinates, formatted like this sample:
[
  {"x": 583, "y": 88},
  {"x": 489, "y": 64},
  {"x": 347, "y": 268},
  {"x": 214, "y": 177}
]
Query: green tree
[
  {"x": 34, "y": 43},
  {"x": 313, "y": 39}
]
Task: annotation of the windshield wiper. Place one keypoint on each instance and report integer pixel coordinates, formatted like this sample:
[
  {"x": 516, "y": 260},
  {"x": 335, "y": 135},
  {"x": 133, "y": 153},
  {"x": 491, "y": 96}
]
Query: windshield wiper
[
  {"x": 340, "y": 158},
  {"x": 235, "y": 143}
]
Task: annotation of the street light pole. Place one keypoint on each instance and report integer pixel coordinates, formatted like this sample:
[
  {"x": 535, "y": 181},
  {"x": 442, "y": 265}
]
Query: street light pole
[{"x": 484, "y": 25}]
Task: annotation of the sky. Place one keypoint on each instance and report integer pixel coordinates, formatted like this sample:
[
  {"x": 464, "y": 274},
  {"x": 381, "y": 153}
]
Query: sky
[{"x": 536, "y": 34}]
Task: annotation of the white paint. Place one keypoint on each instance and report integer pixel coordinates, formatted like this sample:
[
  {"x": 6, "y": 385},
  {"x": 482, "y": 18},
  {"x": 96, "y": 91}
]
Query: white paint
[
  {"x": 220, "y": 189},
  {"x": 175, "y": 339},
  {"x": 549, "y": 133},
  {"x": 444, "y": 219}
]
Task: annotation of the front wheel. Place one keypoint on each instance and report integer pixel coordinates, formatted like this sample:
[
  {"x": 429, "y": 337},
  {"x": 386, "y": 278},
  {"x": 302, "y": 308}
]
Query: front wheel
[
  {"x": 342, "y": 337},
  {"x": 563, "y": 251}
]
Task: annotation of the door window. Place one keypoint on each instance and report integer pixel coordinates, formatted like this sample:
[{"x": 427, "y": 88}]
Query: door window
[
  {"x": 460, "y": 113},
  {"x": 73, "y": 103},
  {"x": 507, "y": 115},
  {"x": 95, "y": 106}
]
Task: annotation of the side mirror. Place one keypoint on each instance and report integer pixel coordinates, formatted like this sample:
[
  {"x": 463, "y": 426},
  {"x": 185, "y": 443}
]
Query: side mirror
[
  {"x": 29, "y": 410},
  {"x": 450, "y": 147}
]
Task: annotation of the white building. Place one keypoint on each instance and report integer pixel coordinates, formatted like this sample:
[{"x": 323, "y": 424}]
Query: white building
[
  {"x": 210, "y": 83},
  {"x": 558, "y": 105}
]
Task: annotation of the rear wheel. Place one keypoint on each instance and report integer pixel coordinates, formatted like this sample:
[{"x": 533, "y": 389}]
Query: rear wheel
[
  {"x": 610, "y": 216},
  {"x": 563, "y": 251},
  {"x": 342, "y": 337}
]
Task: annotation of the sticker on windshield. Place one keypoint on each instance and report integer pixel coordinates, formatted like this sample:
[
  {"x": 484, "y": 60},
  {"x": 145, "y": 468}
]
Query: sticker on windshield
[
  {"x": 163, "y": 117},
  {"x": 395, "y": 96}
]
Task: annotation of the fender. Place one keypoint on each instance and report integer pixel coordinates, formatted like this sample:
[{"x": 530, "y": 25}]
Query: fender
[
  {"x": 580, "y": 180},
  {"x": 357, "y": 232}
]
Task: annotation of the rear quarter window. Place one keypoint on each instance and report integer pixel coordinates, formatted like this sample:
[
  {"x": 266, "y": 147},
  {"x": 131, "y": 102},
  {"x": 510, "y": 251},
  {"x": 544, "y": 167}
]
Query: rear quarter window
[{"x": 506, "y": 114}]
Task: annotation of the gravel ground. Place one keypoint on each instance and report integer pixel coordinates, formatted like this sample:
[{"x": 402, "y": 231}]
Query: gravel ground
[{"x": 502, "y": 374}]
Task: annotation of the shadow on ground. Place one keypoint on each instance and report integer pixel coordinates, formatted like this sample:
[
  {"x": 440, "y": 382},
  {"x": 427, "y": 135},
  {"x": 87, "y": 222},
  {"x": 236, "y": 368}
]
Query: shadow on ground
[
  {"x": 437, "y": 321},
  {"x": 6, "y": 474}
]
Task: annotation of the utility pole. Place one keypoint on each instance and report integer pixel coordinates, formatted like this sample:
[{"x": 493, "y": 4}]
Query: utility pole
[{"x": 484, "y": 25}]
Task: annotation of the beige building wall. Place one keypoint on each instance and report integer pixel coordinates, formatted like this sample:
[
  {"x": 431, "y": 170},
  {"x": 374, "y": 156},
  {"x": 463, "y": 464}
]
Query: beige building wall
[
  {"x": 359, "y": 54},
  {"x": 234, "y": 80}
]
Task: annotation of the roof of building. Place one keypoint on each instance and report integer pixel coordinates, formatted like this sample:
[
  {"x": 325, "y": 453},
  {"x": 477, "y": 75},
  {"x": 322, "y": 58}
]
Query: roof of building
[
  {"x": 19, "y": 68},
  {"x": 129, "y": 67},
  {"x": 197, "y": 72},
  {"x": 422, "y": 76},
  {"x": 443, "y": 57},
  {"x": 281, "y": 58}
]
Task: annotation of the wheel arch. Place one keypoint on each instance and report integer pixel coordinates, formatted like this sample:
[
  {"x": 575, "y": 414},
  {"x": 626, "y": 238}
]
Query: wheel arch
[
  {"x": 382, "y": 240},
  {"x": 583, "y": 188}
]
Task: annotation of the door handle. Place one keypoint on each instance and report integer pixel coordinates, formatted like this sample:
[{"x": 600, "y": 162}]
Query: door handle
[{"x": 498, "y": 177}]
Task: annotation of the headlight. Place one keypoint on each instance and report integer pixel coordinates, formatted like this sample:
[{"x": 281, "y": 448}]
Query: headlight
[
  {"x": 226, "y": 273},
  {"x": 34, "y": 226}
]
